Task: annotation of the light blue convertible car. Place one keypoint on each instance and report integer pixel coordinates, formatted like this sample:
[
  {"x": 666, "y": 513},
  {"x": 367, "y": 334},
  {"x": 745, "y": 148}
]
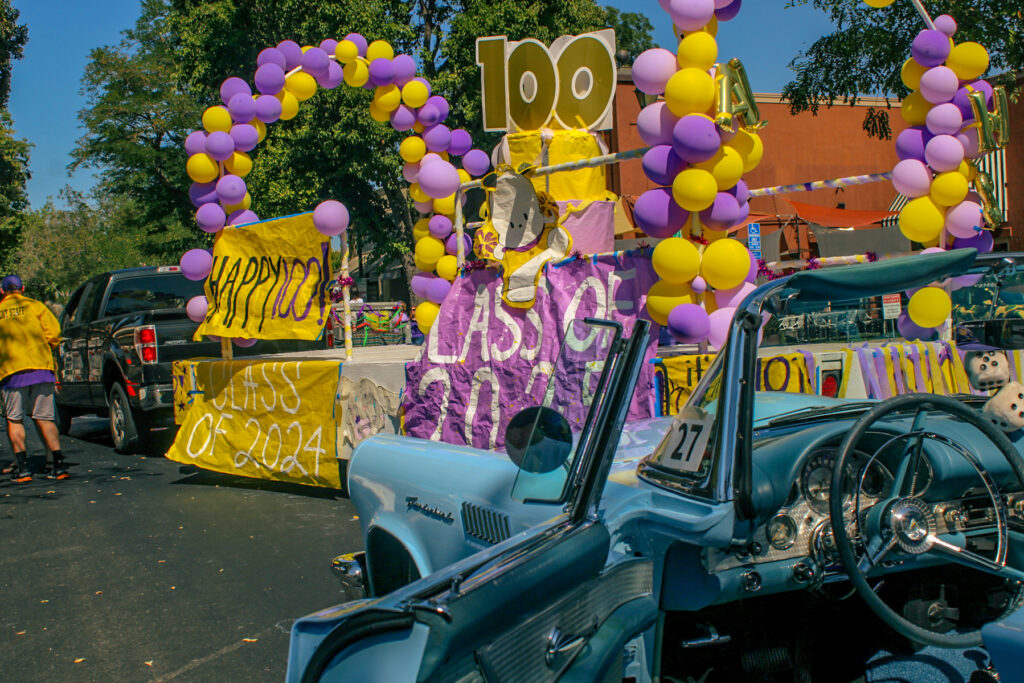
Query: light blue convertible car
[{"x": 754, "y": 536}]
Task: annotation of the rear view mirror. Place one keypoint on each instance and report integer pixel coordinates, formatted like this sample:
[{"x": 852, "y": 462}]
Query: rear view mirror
[
  {"x": 538, "y": 439},
  {"x": 996, "y": 333}
]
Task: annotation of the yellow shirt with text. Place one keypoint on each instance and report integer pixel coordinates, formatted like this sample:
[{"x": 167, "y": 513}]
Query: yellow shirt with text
[{"x": 28, "y": 334}]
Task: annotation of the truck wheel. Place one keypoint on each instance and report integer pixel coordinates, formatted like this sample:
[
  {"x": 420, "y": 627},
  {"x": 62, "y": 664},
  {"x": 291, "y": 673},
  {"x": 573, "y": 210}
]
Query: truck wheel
[
  {"x": 63, "y": 418},
  {"x": 123, "y": 428}
]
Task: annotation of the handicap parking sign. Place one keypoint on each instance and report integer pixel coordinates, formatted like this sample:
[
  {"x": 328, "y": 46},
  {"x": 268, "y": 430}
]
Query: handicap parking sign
[{"x": 754, "y": 239}]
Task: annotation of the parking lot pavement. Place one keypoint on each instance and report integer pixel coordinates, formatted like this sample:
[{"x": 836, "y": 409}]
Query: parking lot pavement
[{"x": 141, "y": 569}]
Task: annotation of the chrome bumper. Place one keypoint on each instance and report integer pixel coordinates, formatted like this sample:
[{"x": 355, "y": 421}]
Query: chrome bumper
[{"x": 351, "y": 571}]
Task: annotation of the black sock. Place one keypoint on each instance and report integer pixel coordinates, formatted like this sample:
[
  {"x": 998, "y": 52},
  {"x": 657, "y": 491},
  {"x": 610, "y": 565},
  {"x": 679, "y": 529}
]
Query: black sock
[
  {"x": 58, "y": 458},
  {"x": 22, "y": 459}
]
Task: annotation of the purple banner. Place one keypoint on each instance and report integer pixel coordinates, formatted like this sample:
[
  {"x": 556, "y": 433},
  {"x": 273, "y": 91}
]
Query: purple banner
[{"x": 484, "y": 361}]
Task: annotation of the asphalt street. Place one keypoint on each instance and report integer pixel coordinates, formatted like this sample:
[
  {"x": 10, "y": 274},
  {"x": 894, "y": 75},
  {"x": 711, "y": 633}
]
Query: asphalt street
[{"x": 141, "y": 569}]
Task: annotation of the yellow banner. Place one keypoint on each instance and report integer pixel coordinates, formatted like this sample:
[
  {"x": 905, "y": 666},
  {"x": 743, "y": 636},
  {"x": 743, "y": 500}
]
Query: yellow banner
[
  {"x": 269, "y": 281},
  {"x": 267, "y": 420}
]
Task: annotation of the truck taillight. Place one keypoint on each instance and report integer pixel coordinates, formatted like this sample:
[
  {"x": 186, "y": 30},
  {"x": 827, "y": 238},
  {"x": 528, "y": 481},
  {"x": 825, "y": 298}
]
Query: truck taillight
[{"x": 145, "y": 344}]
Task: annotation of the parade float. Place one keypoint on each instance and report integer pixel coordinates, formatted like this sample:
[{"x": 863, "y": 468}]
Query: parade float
[{"x": 495, "y": 294}]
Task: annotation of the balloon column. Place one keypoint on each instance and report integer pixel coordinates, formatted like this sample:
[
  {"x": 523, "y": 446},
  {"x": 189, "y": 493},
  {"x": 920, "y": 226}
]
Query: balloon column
[
  {"x": 951, "y": 124},
  {"x": 287, "y": 75},
  {"x": 703, "y": 138}
]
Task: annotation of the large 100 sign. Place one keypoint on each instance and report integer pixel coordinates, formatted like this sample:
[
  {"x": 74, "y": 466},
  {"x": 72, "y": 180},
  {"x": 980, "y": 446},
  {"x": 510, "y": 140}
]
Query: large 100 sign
[{"x": 527, "y": 86}]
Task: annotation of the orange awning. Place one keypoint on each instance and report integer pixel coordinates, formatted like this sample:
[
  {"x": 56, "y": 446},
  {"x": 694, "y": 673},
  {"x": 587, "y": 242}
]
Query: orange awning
[{"x": 838, "y": 218}]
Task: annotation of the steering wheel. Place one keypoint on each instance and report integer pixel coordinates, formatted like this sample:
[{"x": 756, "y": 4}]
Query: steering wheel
[{"x": 904, "y": 524}]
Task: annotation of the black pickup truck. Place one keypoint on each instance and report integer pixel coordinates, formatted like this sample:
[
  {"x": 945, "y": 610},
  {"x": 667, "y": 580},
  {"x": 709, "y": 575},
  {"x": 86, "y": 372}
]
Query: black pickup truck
[{"x": 120, "y": 333}]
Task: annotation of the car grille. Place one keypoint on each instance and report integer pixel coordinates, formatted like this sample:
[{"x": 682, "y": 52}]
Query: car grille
[{"x": 484, "y": 524}]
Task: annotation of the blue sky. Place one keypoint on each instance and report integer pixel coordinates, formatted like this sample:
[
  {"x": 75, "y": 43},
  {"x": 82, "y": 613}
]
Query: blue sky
[{"x": 46, "y": 97}]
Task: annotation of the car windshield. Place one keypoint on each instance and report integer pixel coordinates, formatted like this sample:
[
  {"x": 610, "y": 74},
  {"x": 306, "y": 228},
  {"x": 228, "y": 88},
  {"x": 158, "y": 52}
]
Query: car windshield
[{"x": 546, "y": 440}]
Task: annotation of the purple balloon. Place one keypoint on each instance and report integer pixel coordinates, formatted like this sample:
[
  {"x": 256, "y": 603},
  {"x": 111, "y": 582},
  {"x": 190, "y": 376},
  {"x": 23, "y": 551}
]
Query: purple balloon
[
  {"x": 315, "y": 60},
  {"x": 911, "y": 142},
  {"x": 438, "y": 179},
  {"x": 441, "y": 104},
  {"x": 440, "y": 226},
  {"x": 912, "y": 178},
  {"x": 461, "y": 142},
  {"x": 724, "y": 213},
  {"x": 946, "y": 24},
  {"x": 939, "y": 84},
  {"x": 202, "y": 193},
  {"x": 210, "y": 217},
  {"x": 730, "y": 11},
  {"x": 438, "y": 289},
  {"x": 744, "y": 212},
  {"x": 930, "y": 48},
  {"x": 652, "y": 69},
  {"x": 655, "y": 124},
  {"x": 429, "y": 115},
  {"x": 292, "y": 54},
  {"x": 196, "y": 308},
  {"x": 411, "y": 172},
  {"x": 735, "y": 296},
  {"x": 944, "y": 119},
  {"x": 242, "y": 216},
  {"x": 695, "y": 138},
  {"x": 403, "y": 118},
  {"x": 963, "y": 102},
  {"x": 243, "y": 342},
  {"x": 231, "y": 189},
  {"x": 438, "y": 138},
  {"x": 196, "y": 264},
  {"x": 332, "y": 77},
  {"x": 360, "y": 42},
  {"x": 721, "y": 320},
  {"x": 220, "y": 145},
  {"x": 328, "y": 45},
  {"x": 405, "y": 69},
  {"x": 330, "y": 217},
  {"x": 268, "y": 108},
  {"x": 233, "y": 86},
  {"x": 195, "y": 143},
  {"x": 661, "y": 164},
  {"x": 382, "y": 71},
  {"x": 271, "y": 55},
  {"x": 424, "y": 207},
  {"x": 689, "y": 323},
  {"x": 983, "y": 242},
  {"x": 969, "y": 139},
  {"x": 911, "y": 331},
  {"x": 242, "y": 108},
  {"x": 752, "y": 273},
  {"x": 269, "y": 79},
  {"x": 657, "y": 213},
  {"x": 944, "y": 153},
  {"x": 964, "y": 220},
  {"x": 419, "y": 281},
  {"x": 451, "y": 245},
  {"x": 691, "y": 15},
  {"x": 476, "y": 162},
  {"x": 740, "y": 191}
]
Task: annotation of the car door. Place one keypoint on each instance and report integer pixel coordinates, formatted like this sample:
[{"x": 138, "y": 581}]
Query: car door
[
  {"x": 95, "y": 342},
  {"x": 542, "y": 606},
  {"x": 73, "y": 348}
]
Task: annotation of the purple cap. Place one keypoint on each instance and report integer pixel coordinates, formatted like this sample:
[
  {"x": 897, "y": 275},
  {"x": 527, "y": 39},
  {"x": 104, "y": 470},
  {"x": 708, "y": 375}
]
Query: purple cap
[{"x": 11, "y": 283}]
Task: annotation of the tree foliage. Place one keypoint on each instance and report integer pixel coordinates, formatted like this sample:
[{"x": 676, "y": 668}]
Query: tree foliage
[
  {"x": 13, "y": 37},
  {"x": 865, "y": 53}
]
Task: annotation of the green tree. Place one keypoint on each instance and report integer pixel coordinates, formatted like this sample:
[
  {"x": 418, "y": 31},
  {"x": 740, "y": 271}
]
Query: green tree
[
  {"x": 633, "y": 33},
  {"x": 865, "y": 53},
  {"x": 13, "y": 37},
  {"x": 14, "y": 152}
]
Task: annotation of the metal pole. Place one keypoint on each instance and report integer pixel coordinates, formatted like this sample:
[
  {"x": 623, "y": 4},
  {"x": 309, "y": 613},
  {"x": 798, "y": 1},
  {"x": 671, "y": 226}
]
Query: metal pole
[
  {"x": 460, "y": 230},
  {"x": 924, "y": 13},
  {"x": 347, "y": 308}
]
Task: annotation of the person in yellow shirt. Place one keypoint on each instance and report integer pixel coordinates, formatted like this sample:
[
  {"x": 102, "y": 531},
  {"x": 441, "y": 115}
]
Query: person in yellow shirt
[{"x": 28, "y": 334}]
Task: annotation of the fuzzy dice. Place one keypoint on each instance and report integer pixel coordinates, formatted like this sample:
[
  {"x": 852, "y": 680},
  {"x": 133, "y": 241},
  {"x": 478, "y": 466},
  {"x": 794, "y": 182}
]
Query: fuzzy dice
[
  {"x": 1006, "y": 408},
  {"x": 987, "y": 369}
]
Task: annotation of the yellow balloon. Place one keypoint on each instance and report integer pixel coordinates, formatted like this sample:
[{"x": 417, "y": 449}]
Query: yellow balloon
[
  {"x": 346, "y": 51},
  {"x": 463, "y": 175},
  {"x": 300, "y": 84},
  {"x": 725, "y": 264},
  {"x": 698, "y": 50},
  {"x": 238, "y": 163},
  {"x": 968, "y": 61},
  {"x": 426, "y": 314},
  {"x": 878, "y": 4},
  {"x": 217, "y": 119},
  {"x": 421, "y": 265},
  {"x": 261, "y": 128},
  {"x": 378, "y": 114},
  {"x": 418, "y": 128},
  {"x": 929, "y": 306},
  {"x": 969, "y": 171},
  {"x": 726, "y": 167},
  {"x": 412, "y": 149},
  {"x": 429, "y": 250},
  {"x": 915, "y": 109},
  {"x": 676, "y": 260},
  {"x": 921, "y": 220},
  {"x": 690, "y": 91},
  {"x": 202, "y": 168},
  {"x": 421, "y": 229},
  {"x": 663, "y": 296},
  {"x": 289, "y": 105},
  {"x": 379, "y": 48},
  {"x": 694, "y": 189},
  {"x": 240, "y": 206},
  {"x": 911, "y": 73},
  {"x": 750, "y": 147},
  {"x": 415, "y": 94},
  {"x": 387, "y": 98},
  {"x": 714, "y": 235},
  {"x": 445, "y": 205},
  {"x": 711, "y": 27},
  {"x": 448, "y": 267},
  {"x": 949, "y": 189},
  {"x": 356, "y": 73},
  {"x": 417, "y": 193}
]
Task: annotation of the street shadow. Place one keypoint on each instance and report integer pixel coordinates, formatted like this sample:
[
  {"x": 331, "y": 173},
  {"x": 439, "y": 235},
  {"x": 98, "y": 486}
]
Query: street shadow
[{"x": 195, "y": 476}]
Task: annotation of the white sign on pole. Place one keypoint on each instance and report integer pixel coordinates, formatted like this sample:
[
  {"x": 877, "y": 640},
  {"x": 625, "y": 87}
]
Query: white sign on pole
[{"x": 890, "y": 306}]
